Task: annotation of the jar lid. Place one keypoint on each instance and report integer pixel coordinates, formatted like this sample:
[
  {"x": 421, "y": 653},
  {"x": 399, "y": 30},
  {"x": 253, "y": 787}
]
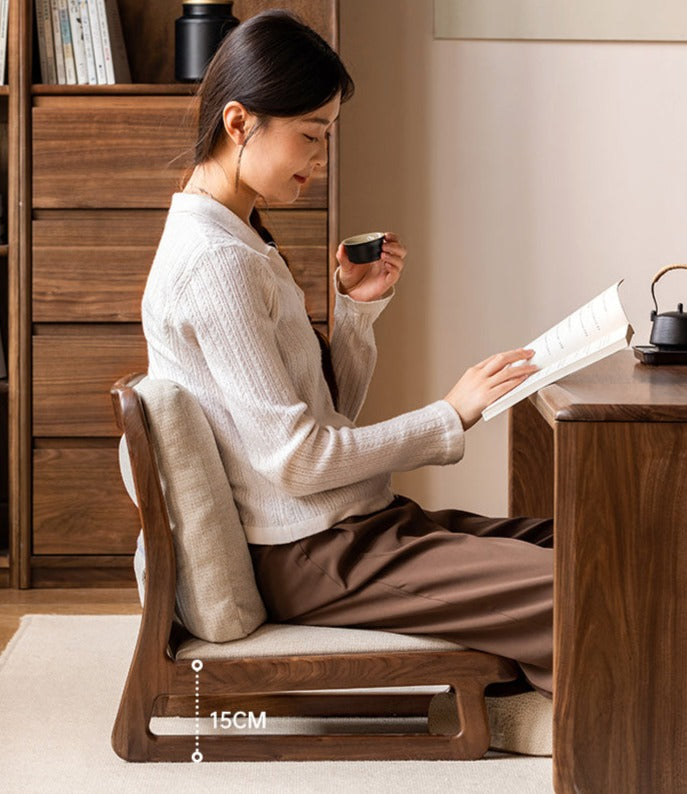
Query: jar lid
[{"x": 206, "y": 2}]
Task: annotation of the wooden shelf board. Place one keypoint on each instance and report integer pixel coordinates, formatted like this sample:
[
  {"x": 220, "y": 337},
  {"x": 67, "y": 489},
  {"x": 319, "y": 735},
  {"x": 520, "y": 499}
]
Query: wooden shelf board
[
  {"x": 4, "y": 385},
  {"x": 4, "y": 559},
  {"x": 4, "y": 90},
  {"x": 143, "y": 89},
  {"x": 4, "y": 249}
]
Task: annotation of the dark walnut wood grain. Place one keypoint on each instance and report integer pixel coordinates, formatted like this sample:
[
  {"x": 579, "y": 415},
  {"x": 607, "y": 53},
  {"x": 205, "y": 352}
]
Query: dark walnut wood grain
[
  {"x": 19, "y": 64},
  {"x": 70, "y": 377},
  {"x": 619, "y": 464},
  {"x": 79, "y": 570},
  {"x": 621, "y": 627},
  {"x": 143, "y": 227},
  {"x": 97, "y": 284},
  {"x": 530, "y": 481},
  {"x": 322, "y": 16},
  {"x": 617, "y": 389},
  {"x": 121, "y": 151},
  {"x": 115, "y": 151},
  {"x": 79, "y": 503},
  {"x": 277, "y": 704}
]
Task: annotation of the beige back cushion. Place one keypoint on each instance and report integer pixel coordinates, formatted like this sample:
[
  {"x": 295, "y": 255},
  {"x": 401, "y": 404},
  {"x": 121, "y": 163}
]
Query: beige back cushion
[{"x": 217, "y": 598}]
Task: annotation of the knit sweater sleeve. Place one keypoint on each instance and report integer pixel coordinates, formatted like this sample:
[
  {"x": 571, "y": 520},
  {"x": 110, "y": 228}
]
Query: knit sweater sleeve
[
  {"x": 231, "y": 306},
  {"x": 354, "y": 352}
]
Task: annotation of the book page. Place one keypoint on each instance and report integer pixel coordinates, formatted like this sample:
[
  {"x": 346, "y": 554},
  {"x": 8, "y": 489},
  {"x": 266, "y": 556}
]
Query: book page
[
  {"x": 595, "y": 319},
  {"x": 589, "y": 334}
]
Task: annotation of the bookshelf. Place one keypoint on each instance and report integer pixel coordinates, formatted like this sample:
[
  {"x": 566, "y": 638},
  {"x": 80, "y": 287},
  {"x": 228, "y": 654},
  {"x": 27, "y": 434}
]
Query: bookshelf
[
  {"x": 4, "y": 384},
  {"x": 91, "y": 172}
]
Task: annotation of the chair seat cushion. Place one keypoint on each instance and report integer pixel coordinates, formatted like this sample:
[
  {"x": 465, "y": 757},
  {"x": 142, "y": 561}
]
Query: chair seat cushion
[
  {"x": 217, "y": 597},
  {"x": 282, "y": 639}
]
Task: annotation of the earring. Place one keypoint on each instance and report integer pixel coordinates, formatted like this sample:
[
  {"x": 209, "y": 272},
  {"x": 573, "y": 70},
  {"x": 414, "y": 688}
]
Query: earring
[{"x": 238, "y": 167}]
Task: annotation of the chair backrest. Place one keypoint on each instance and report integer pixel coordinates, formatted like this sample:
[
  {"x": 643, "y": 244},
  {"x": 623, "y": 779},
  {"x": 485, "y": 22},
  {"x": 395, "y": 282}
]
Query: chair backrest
[{"x": 196, "y": 552}]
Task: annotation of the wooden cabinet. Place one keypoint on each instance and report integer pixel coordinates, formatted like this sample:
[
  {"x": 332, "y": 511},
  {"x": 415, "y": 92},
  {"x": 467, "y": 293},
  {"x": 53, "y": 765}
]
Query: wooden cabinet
[
  {"x": 4, "y": 384},
  {"x": 97, "y": 166}
]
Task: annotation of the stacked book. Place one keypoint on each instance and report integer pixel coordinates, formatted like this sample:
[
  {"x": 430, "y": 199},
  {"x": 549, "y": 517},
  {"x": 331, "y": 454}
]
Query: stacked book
[
  {"x": 81, "y": 42},
  {"x": 4, "y": 17}
]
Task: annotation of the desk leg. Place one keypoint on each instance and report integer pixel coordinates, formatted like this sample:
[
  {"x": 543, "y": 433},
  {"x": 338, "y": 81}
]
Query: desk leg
[
  {"x": 620, "y": 618},
  {"x": 530, "y": 454}
]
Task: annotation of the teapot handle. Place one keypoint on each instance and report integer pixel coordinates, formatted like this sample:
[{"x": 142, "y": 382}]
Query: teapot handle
[{"x": 661, "y": 273}]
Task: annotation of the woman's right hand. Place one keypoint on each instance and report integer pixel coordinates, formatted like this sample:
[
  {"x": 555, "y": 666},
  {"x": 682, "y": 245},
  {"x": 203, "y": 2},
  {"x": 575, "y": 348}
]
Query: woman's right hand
[{"x": 484, "y": 383}]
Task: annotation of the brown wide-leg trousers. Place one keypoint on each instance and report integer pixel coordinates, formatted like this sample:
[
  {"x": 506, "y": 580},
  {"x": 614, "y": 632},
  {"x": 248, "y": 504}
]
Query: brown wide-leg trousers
[{"x": 484, "y": 583}]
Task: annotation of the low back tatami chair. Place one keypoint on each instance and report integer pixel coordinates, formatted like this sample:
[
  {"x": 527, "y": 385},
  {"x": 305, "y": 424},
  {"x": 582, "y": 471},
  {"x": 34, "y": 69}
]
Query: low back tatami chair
[{"x": 201, "y": 605}]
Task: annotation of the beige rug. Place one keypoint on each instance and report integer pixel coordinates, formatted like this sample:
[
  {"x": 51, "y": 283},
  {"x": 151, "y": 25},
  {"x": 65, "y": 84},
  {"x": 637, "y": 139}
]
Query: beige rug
[{"x": 60, "y": 681}]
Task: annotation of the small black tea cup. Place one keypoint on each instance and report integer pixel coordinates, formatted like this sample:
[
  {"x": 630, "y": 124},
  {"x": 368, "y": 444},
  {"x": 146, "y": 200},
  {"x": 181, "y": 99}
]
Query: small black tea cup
[{"x": 364, "y": 248}]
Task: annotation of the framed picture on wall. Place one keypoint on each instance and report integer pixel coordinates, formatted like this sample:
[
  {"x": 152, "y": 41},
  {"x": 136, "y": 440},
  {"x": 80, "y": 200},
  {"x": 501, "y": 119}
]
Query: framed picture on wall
[{"x": 581, "y": 20}]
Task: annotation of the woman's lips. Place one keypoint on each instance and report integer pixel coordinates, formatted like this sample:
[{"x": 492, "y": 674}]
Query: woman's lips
[{"x": 300, "y": 179}]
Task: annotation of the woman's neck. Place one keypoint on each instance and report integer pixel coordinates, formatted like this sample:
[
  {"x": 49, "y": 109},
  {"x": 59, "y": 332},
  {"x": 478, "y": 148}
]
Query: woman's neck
[{"x": 210, "y": 179}]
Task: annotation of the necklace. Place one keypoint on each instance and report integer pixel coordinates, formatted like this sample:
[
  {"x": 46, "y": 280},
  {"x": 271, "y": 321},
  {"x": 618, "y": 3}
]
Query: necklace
[
  {"x": 202, "y": 190},
  {"x": 199, "y": 189}
]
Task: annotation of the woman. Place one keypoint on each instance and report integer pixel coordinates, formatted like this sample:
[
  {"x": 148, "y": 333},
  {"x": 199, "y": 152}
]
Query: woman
[{"x": 331, "y": 544}]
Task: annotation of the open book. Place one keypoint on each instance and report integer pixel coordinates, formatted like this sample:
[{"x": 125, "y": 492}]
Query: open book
[{"x": 589, "y": 334}]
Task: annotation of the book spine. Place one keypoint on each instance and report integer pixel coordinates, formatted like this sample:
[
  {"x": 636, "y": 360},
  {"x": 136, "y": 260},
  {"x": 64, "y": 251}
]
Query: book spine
[
  {"x": 46, "y": 49},
  {"x": 67, "y": 45},
  {"x": 57, "y": 43},
  {"x": 120, "y": 62},
  {"x": 78, "y": 45},
  {"x": 4, "y": 12},
  {"x": 105, "y": 35},
  {"x": 40, "y": 31},
  {"x": 88, "y": 42},
  {"x": 97, "y": 42}
]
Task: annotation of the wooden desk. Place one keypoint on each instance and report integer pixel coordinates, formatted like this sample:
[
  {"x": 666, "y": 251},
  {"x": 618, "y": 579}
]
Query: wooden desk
[{"x": 605, "y": 452}]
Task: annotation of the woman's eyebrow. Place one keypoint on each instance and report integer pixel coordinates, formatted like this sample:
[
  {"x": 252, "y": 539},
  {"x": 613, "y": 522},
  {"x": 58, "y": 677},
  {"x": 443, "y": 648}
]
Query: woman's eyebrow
[{"x": 319, "y": 120}]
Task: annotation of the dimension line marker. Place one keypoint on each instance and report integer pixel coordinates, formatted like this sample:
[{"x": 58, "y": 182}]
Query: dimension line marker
[{"x": 197, "y": 666}]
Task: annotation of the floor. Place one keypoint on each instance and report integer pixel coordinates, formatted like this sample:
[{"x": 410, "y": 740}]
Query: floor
[{"x": 87, "y": 601}]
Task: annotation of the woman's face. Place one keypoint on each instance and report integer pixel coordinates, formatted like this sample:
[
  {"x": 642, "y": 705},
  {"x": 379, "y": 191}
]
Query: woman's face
[{"x": 283, "y": 155}]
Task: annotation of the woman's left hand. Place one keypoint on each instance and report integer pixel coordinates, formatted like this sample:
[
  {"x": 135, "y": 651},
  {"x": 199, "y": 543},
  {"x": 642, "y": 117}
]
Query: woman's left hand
[{"x": 372, "y": 281}]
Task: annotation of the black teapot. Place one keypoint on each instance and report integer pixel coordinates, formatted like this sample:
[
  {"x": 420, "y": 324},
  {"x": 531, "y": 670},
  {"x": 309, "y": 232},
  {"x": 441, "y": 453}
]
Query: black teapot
[{"x": 668, "y": 330}]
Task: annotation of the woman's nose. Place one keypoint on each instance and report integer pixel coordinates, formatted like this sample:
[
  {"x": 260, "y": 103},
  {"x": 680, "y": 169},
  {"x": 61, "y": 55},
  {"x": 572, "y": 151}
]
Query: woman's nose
[{"x": 321, "y": 155}]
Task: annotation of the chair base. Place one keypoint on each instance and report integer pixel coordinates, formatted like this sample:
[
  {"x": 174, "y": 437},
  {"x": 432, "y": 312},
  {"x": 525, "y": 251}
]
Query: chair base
[
  {"x": 304, "y": 747},
  {"x": 467, "y": 673}
]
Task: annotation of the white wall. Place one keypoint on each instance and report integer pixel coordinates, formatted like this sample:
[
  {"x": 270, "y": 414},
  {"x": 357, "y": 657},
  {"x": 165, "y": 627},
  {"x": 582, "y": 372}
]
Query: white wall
[{"x": 524, "y": 177}]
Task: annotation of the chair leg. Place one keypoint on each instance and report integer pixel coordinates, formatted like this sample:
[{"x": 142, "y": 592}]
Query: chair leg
[
  {"x": 131, "y": 735},
  {"x": 461, "y": 714},
  {"x": 149, "y": 675}
]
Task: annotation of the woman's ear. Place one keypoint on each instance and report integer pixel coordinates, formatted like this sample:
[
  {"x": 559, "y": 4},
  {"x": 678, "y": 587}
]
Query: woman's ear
[{"x": 237, "y": 122}]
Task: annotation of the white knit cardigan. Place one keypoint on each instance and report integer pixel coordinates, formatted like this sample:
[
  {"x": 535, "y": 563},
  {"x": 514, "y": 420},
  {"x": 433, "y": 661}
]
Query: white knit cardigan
[{"x": 224, "y": 318}]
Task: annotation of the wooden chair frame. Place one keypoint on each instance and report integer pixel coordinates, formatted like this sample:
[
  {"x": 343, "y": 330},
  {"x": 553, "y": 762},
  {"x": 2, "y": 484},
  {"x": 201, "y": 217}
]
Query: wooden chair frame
[{"x": 159, "y": 685}]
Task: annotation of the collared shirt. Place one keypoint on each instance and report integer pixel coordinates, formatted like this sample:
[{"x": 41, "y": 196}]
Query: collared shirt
[{"x": 223, "y": 317}]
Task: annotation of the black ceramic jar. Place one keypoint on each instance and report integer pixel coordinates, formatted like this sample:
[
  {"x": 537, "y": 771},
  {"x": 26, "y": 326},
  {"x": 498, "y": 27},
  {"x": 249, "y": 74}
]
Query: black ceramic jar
[{"x": 198, "y": 34}]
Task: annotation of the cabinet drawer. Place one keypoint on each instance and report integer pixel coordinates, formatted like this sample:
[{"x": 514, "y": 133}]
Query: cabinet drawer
[
  {"x": 89, "y": 284},
  {"x": 92, "y": 266},
  {"x": 115, "y": 151},
  {"x": 118, "y": 151},
  {"x": 79, "y": 503},
  {"x": 72, "y": 377}
]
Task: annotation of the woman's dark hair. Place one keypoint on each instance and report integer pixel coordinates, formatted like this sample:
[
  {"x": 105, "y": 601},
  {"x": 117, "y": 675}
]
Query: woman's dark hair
[{"x": 274, "y": 65}]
